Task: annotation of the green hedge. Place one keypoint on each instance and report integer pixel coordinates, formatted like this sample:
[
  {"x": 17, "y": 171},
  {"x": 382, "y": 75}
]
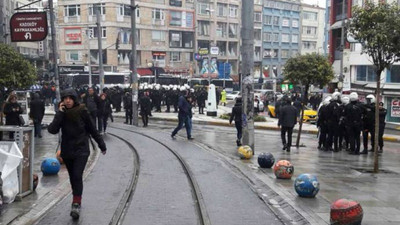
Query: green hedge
[{"x": 257, "y": 118}]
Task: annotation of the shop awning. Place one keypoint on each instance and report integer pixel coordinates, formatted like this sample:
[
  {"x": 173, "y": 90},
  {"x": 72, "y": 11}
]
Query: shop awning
[{"x": 144, "y": 72}]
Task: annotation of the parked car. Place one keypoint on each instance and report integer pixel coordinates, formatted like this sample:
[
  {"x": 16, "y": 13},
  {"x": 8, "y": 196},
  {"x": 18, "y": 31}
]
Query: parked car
[
  {"x": 310, "y": 115},
  {"x": 233, "y": 95}
]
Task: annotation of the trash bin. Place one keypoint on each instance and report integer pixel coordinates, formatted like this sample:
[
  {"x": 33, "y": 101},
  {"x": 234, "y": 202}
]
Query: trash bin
[
  {"x": 10, "y": 159},
  {"x": 24, "y": 139}
]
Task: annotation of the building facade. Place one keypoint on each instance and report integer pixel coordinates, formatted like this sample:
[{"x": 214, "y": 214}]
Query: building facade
[
  {"x": 280, "y": 37},
  {"x": 358, "y": 71},
  {"x": 312, "y": 29}
]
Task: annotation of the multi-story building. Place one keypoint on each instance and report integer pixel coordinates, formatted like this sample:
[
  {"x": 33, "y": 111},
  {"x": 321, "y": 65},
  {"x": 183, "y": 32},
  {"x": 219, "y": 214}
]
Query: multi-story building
[
  {"x": 358, "y": 72},
  {"x": 281, "y": 35},
  {"x": 36, "y": 52},
  {"x": 258, "y": 24},
  {"x": 218, "y": 25},
  {"x": 164, "y": 37},
  {"x": 312, "y": 29}
]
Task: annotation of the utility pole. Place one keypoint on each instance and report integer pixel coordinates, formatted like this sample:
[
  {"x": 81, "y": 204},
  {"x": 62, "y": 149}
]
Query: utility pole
[
  {"x": 134, "y": 79},
  {"x": 99, "y": 36},
  {"x": 342, "y": 47},
  {"x": 247, "y": 52},
  {"x": 54, "y": 46}
]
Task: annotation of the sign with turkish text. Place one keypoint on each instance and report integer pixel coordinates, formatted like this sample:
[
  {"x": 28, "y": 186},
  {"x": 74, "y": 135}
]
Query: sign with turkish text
[
  {"x": 73, "y": 35},
  {"x": 28, "y": 26},
  {"x": 203, "y": 51},
  {"x": 395, "y": 108}
]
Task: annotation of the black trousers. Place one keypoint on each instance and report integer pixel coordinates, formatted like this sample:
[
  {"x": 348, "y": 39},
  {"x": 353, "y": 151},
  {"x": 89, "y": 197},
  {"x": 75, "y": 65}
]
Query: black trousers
[
  {"x": 289, "y": 131},
  {"x": 75, "y": 168},
  {"x": 370, "y": 131},
  {"x": 323, "y": 132},
  {"x": 128, "y": 116},
  {"x": 333, "y": 135},
  {"x": 381, "y": 131},
  {"x": 145, "y": 118},
  {"x": 239, "y": 130},
  {"x": 354, "y": 138}
]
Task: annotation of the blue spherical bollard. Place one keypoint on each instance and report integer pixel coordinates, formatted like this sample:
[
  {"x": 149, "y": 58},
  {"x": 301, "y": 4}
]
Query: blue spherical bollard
[
  {"x": 306, "y": 185},
  {"x": 50, "y": 166},
  {"x": 266, "y": 160}
]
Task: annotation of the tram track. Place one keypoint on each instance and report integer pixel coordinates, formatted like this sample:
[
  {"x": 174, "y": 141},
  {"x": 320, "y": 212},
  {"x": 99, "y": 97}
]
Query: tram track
[{"x": 124, "y": 204}]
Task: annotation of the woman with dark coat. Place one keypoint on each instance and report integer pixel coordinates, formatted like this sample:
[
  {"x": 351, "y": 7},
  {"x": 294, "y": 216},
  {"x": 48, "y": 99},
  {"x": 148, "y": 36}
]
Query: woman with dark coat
[
  {"x": 104, "y": 112},
  {"x": 12, "y": 110},
  {"x": 76, "y": 126},
  {"x": 36, "y": 113},
  {"x": 236, "y": 115}
]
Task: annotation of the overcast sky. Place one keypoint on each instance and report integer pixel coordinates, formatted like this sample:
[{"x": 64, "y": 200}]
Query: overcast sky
[{"x": 321, "y": 3}]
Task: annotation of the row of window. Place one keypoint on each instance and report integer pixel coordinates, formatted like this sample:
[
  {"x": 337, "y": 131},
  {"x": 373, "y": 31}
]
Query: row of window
[
  {"x": 283, "y": 53},
  {"x": 223, "y": 10},
  {"x": 277, "y": 20},
  {"x": 366, "y": 73},
  {"x": 284, "y": 38},
  {"x": 281, "y": 5},
  {"x": 76, "y": 56}
]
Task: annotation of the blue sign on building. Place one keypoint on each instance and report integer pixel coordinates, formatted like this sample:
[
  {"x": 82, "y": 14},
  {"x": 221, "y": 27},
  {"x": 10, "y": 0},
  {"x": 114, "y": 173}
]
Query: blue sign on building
[{"x": 224, "y": 70}]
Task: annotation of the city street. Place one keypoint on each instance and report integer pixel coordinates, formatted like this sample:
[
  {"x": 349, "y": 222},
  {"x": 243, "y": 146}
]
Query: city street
[{"x": 233, "y": 191}]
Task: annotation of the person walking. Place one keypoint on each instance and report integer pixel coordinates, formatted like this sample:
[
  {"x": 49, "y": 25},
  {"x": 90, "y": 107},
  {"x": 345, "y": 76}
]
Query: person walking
[
  {"x": 236, "y": 116},
  {"x": 12, "y": 110},
  {"x": 287, "y": 119},
  {"x": 76, "y": 126},
  {"x": 36, "y": 113},
  {"x": 145, "y": 108},
  {"x": 91, "y": 100},
  {"x": 104, "y": 112},
  {"x": 184, "y": 116}
]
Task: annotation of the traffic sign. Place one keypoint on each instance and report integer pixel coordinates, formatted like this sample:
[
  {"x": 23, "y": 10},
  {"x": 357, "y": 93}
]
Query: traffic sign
[
  {"x": 197, "y": 56},
  {"x": 28, "y": 26}
]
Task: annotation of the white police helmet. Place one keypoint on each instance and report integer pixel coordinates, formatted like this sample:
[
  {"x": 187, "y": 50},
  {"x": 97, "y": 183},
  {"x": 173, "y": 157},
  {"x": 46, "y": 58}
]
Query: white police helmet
[
  {"x": 327, "y": 100},
  {"x": 345, "y": 100},
  {"x": 370, "y": 98},
  {"x": 335, "y": 96},
  {"x": 183, "y": 88},
  {"x": 353, "y": 96}
]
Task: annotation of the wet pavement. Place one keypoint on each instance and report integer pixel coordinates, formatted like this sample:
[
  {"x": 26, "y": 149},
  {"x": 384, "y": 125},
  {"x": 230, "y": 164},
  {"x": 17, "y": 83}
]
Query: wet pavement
[{"x": 340, "y": 175}]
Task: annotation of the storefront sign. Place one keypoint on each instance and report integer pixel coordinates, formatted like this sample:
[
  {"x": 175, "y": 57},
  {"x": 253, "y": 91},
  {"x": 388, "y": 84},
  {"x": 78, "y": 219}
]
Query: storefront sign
[
  {"x": 73, "y": 36},
  {"x": 203, "y": 51},
  {"x": 395, "y": 109},
  {"x": 28, "y": 26}
]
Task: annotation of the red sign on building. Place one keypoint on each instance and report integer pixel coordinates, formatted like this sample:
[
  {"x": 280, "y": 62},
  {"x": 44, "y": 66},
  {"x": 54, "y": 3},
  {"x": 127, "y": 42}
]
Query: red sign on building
[{"x": 28, "y": 26}]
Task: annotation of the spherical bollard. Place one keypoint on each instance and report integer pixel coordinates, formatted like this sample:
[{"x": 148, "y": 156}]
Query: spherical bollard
[
  {"x": 283, "y": 169},
  {"x": 50, "y": 166},
  {"x": 245, "y": 152},
  {"x": 266, "y": 160},
  {"x": 35, "y": 181},
  {"x": 306, "y": 185},
  {"x": 346, "y": 211}
]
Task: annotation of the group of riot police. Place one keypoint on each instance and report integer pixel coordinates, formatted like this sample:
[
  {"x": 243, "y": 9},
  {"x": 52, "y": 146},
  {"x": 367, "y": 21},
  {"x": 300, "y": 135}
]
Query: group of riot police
[{"x": 342, "y": 120}]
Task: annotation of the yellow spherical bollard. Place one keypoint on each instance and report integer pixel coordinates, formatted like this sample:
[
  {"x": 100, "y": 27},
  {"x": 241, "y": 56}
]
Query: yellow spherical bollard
[{"x": 245, "y": 152}]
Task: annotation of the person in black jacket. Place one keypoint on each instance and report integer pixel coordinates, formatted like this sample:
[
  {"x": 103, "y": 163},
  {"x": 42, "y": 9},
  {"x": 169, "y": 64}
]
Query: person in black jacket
[
  {"x": 76, "y": 126},
  {"x": 12, "y": 110},
  {"x": 382, "y": 116},
  {"x": 287, "y": 119},
  {"x": 128, "y": 108},
  {"x": 104, "y": 112},
  {"x": 91, "y": 100},
  {"x": 236, "y": 115},
  {"x": 353, "y": 113},
  {"x": 145, "y": 108},
  {"x": 36, "y": 114},
  {"x": 184, "y": 116}
]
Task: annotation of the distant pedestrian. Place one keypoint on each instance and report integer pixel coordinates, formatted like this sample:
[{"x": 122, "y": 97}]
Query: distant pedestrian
[
  {"x": 128, "y": 108},
  {"x": 104, "y": 112},
  {"x": 223, "y": 97},
  {"x": 36, "y": 113},
  {"x": 184, "y": 116},
  {"x": 287, "y": 119},
  {"x": 236, "y": 116},
  {"x": 74, "y": 121},
  {"x": 91, "y": 100},
  {"x": 12, "y": 110},
  {"x": 145, "y": 108}
]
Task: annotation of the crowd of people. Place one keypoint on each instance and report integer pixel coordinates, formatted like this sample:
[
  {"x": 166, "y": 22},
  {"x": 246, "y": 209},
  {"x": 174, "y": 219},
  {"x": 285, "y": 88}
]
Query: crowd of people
[{"x": 342, "y": 120}]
